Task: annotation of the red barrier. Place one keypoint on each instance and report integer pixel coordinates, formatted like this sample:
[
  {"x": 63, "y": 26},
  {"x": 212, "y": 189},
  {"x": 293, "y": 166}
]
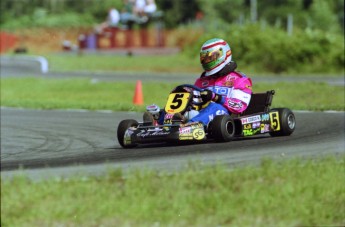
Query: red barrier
[
  {"x": 144, "y": 37},
  {"x": 7, "y": 41},
  {"x": 127, "y": 38}
]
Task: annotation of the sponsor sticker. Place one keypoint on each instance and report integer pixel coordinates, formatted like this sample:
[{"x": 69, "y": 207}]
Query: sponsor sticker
[
  {"x": 225, "y": 91},
  {"x": 204, "y": 83},
  {"x": 168, "y": 116},
  {"x": 229, "y": 83},
  {"x": 265, "y": 117},
  {"x": 186, "y": 137},
  {"x": 198, "y": 134},
  {"x": 247, "y": 126},
  {"x": 251, "y": 119},
  {"x": 193, "y": 125},
  {"x": 185, "y": 130},
  {"x": 144, "y": 134},
  {"x": 265, "y": 128},
  {"x": 256, "y": 124},
  {"x": 250, "y": 132},
  {"x": 221, "y": 112},
  {"x": 230, "y": 78},
  {"x": 235, "y": 105}
]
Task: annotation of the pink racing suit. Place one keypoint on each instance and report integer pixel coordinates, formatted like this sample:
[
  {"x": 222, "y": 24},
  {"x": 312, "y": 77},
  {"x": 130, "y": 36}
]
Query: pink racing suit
[{"x": 235, "y": 89}]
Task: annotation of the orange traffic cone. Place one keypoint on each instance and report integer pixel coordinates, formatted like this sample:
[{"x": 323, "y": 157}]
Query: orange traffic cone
[{"x": 138, "y": 95}]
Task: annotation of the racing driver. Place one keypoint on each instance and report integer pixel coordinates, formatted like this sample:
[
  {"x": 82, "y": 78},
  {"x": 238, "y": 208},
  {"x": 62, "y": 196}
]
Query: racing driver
[{"x": 226, "y": 91}]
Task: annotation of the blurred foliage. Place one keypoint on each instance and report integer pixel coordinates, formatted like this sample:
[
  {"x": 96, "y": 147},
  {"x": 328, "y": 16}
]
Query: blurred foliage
[
  {"x": 54, "y": 13},
  {"x": 273, "y": 50},
  {"x": 215, "y": 14},
  {"x": 40, "y": 18},
  {"x": 258, "y": 35},
  {"x": 178, "y": 12}
]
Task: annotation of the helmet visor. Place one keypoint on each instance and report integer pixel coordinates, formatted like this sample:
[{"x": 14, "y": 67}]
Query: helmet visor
[{"x": 207, "y": 57}]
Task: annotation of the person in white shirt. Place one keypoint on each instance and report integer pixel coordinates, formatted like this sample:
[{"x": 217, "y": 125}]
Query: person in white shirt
[
  {"x": 112, "y": 21},
  {"x": 150, "y": 7},
  {"x": 113, "y": 18}
]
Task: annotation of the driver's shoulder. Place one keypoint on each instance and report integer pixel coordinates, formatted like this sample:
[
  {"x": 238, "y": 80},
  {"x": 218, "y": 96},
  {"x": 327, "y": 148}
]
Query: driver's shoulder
[{"x": 238, "y": 74}]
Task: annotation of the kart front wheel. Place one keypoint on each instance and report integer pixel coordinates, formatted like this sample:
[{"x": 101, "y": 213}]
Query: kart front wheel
[
  {"x": 121, "y": 130},
  {"x": 287, "y": 122},
  {"x": 222, "y": 128}
]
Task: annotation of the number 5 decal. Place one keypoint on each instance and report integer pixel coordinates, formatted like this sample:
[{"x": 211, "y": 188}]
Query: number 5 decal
[
  {"x": 177, "y": 102},
  {"x": 274, "y": 117}
]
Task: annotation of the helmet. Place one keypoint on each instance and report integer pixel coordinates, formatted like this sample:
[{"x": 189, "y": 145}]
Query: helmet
[{"x": 214, "y": 55}]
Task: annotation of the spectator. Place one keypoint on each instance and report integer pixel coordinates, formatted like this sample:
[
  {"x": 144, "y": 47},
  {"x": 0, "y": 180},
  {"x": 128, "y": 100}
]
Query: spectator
[
  {"x": 127, "y": 16},
  {"x": 113, "y": 18},
  {"x": 140, "y": 7},
  {"x": 112, "y": 21},
  {"x": 150, "y": 7},
  {"x": 144, "y": 10}
]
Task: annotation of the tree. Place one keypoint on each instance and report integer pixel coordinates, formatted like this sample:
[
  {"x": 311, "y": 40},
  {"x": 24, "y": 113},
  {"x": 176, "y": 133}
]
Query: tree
[{"x": 178, "y": 12}]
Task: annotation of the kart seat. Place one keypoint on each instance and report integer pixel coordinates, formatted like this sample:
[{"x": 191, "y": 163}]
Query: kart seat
[{"x": 260, "y": 102}]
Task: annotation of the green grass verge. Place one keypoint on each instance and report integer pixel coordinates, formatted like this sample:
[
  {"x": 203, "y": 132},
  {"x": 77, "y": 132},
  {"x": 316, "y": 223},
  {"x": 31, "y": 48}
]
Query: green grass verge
[
  {"x": 177, "y": 63},
  {"x": 290, "y": 193},
  {"x": 83, "y": 94},
  {"x": 169, "y": 63}
]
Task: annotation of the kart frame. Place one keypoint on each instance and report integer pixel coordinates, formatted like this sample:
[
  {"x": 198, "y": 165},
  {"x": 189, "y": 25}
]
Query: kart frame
[{"x": 257, "y": 119}]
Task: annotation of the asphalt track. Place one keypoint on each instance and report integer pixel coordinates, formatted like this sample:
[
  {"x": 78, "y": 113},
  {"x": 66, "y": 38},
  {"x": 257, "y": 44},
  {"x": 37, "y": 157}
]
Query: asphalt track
[
  {"x": 53, "y": 143},
  {"x": 85, "y": 142}
]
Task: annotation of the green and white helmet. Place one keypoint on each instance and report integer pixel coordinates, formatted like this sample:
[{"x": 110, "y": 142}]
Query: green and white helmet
[{"x": 214, "y": 55}]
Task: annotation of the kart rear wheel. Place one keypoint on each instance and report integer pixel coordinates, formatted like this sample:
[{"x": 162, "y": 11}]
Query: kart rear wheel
[
  {"x": 222, "y": 128},
  {"x": 121, "y": 130},
  {"x": 287, "y": 122}
]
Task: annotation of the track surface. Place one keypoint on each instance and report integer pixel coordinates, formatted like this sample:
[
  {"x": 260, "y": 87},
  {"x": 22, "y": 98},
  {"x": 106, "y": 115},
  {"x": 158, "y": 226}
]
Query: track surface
[{"x": 34, "y": 139}]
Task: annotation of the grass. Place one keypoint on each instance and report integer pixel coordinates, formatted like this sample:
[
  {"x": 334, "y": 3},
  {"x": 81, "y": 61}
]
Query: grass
[
  {"x": 177, "y": 63},
  {"x": 169, "y": 63},
  {"x": 290, "y": 193},
  {"x": 41, "y": 93}
]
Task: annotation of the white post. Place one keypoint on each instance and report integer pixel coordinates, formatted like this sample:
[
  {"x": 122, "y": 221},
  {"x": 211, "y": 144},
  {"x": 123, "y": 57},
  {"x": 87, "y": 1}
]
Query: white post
[
  {"x": 290, "y": 24},
  {"x": 253, "y": 11}
]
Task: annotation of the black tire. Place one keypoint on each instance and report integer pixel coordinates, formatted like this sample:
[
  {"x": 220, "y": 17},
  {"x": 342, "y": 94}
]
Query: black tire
[
  {"x": 222, "y": 128},
  {"x": 287, "y": 122},
  {"x": 121, "y": 130}
]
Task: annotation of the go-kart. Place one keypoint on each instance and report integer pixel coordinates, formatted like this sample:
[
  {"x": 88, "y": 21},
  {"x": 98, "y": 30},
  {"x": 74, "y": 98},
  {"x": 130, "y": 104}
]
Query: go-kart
[{"x": 257, "y": 119}]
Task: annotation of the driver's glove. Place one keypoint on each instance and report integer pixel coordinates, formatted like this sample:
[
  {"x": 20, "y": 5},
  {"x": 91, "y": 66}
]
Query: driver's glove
[{"x": 208, "y": 95}]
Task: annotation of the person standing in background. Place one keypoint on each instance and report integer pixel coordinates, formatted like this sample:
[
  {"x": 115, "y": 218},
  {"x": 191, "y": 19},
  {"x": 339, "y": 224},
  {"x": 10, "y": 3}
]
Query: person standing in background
[{"x": 112, "y": 21}]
